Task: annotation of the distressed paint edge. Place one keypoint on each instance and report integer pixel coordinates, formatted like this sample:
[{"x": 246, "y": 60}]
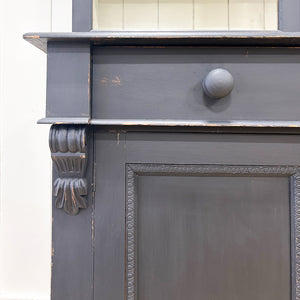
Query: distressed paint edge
[
  {"x": 171, "y": 123},
  {"x": 64, "y": 121},
  {"x": 169, "y": 38},
  {"x": 200, "y": 123}
]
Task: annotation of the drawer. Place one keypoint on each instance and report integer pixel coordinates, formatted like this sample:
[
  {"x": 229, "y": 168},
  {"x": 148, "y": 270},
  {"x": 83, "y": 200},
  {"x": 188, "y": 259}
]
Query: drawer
[{"x": 137, "y": 83}]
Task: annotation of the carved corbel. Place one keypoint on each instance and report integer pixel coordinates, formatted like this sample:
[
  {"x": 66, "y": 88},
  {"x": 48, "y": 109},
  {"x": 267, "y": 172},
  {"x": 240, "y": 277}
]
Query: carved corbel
[{"x": 69, "y": 154}]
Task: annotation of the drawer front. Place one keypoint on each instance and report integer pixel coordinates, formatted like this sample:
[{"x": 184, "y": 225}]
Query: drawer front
[{"x": 166, "y": 84}]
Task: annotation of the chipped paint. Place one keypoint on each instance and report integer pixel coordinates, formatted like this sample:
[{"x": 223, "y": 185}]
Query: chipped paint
[
  {"x": 187, "y": 123},
  {"x": 104, "y": 80},
  {"x": 162, "y": 39},
  {"x": 116, "y": 81},
  {"x": 32, "y": 37}
]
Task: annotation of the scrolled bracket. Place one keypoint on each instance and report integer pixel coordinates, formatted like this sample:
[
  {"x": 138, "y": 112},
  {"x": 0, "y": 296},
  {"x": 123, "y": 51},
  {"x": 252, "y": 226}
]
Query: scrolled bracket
[{"x": 69, "y": 155}]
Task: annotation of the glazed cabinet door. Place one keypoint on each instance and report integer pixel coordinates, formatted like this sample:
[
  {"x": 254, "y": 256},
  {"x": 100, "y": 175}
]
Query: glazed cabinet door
[{"x": 196, "y": 216}]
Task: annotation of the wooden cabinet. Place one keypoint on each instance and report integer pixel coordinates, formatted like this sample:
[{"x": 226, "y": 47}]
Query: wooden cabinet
[
  {"x": 205, "y": 215},
  {"x": 169, "y": 183}
]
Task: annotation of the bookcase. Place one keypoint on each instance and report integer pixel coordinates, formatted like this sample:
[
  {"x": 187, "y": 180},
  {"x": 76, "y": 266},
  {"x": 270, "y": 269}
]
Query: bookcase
[{"x": 176, "y": 151}]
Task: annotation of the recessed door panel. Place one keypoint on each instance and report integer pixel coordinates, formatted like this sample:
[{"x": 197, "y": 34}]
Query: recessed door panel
[{"x": 212, "y": 238}]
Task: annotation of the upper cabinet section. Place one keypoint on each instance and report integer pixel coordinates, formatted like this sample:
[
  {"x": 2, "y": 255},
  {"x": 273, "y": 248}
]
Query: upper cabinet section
[{"x": 174, "y": 15}]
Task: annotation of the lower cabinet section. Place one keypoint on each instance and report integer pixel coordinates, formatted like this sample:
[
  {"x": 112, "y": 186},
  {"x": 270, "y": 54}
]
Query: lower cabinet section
[{"x": 196, "y": 216}]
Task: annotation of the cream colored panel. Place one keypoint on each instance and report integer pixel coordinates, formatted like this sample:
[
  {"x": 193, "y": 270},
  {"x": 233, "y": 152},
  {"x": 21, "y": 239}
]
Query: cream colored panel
[
  {"x": 271, "y": 14},
  {"x": 211, "y": 15},
  {"x": 185, "y": 14},
  {"x": 95, "y": 14},
  {"x": 109, "y": 15},
  {"x": 140, "y": 15},
  {"x": 246, "y": 15},
  {"x": 176, "y": 14}
]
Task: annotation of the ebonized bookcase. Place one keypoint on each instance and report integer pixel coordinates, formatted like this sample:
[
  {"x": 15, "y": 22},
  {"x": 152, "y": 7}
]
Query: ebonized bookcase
[{"x": 160, "y": 191}]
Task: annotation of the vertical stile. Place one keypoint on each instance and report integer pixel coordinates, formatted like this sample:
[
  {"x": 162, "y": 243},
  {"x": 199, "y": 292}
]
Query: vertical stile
[
  {"x": 95, "y": 14},
  {"x": 271, "y": 14}
]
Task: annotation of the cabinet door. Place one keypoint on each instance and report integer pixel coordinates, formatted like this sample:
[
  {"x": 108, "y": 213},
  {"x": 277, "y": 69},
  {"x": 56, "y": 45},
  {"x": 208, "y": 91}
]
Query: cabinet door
[{"x": 196, "y": 216}]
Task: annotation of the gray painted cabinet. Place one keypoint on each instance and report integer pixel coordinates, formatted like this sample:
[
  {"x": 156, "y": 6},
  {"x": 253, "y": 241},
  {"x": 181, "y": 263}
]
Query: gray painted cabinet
[
  {"x": 206, "y": 216},
  {"x": 159, "y": 190}
]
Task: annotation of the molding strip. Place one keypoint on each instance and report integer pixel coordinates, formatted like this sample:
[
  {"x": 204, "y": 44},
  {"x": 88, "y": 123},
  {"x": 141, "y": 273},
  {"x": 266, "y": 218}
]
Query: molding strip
[{"x": 134, "y": 170}]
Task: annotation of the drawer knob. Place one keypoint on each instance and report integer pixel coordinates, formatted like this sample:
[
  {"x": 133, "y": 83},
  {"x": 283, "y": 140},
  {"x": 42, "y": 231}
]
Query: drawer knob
[{"x": 218, "y": 83}]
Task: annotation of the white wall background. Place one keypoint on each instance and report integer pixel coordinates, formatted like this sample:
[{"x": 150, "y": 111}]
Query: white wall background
[{"x": 25, "y": 163}]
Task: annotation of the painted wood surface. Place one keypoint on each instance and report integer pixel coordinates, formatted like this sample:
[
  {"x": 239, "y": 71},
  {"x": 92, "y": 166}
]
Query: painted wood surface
[
  {"x": 185, "y": 15},
  {"x": 124, "y": 78},
  {"x": 188, "y": 223},
  {"x": 72, "y": 243},
  {"x": 68, "y": 76},
  {"x": 186, "y": 196}
]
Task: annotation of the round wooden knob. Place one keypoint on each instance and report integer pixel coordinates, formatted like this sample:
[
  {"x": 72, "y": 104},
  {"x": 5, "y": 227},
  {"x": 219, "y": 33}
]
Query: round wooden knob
[{"x": 218, "y": 83}]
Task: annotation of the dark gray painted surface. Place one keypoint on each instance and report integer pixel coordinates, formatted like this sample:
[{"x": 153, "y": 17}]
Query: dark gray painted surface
[
  {"x": 289, "y": 15},
  {"x": 169, "y": 38},
  {"x": 68, "y": 80},
  {"x": 79, "y": 273},
  {"x": 139, "y": 83},
  {"x": 263, "y": 201},
  {"x": 213, "y": 238},
  {"x": 82, "y": 15},
  {"x": 109, "y": 220},
  {"x": 72, "y": 246}
]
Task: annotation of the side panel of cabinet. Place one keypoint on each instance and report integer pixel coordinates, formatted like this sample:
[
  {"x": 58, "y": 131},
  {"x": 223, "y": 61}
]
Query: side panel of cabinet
[{"x": 195, "y": 216}]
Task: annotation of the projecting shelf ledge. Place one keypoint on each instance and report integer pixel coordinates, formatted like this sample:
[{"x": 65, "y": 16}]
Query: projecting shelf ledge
[
  {"x": 169, "y": 38},
  {"x": 171, "y": 123}
]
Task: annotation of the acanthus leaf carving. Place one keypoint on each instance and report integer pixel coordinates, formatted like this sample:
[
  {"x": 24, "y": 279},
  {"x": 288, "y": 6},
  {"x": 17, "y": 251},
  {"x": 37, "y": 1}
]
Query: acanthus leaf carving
[{"x": 69, "y": 155}]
